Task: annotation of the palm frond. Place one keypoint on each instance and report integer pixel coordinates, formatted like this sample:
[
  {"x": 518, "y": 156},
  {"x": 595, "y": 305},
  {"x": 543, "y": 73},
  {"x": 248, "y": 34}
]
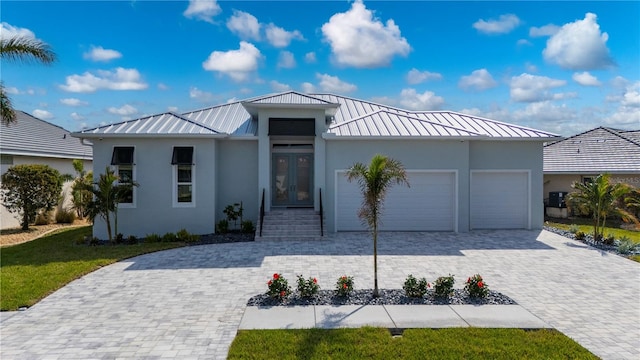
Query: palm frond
[
  {"x": 26, "y": 49},
  {"x": 7, "y": 114}
]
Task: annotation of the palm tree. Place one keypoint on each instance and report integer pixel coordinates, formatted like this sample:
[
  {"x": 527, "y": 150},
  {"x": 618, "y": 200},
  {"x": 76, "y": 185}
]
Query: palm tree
[
  {"x": 107, "y": 194},
  {"x": 375, "y": 180},
  {"x": 22, "y": 49},
  {"x": 600, "y": 198}
]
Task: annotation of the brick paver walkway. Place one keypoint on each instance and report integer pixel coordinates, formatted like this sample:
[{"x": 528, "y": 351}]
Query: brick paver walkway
[{"x": 187, "y": 303}]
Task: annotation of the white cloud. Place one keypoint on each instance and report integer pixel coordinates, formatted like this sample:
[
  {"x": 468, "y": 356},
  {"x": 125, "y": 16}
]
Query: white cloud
[
  {"x": 76, "y": 116},
  {"x": 333, "y": 84},
  {"x": 173, "y": 109},
  {"x": 546, "y": 30},
  {"x": 163, "y": 86},
  {"x": 43, "y": 114},
  {"x": 124, "y": 110},
  {"x": 244, "y": 25},
  {"x": 631, "y": 96},
  {"x": 73, "y": 102},
  {"x": 479, "y": 79},
  {"x": 98, "y": 53},
  {"x": 279, "y": 87},
  {"x": 579, "y": 46},
  {"x": 523, "y": 42},
  {"x": 586, "y": 79},
  {"x": 199, "y": 95},
  {"x": 310, "y": 57},
  {"x": 533, "y": 88},
  {"x": 120, "y": 79},
  {"x": 203, "y": 10},
  {"x": 359, "y": 40},
  {"x": 545, "y": 115},
  {"x": 308, "y": 87},
  {"x": 619, "y": 82},
  {"x": 237, "y": 64},
  {"x": 415, "y": 76},
  {"x": 280, "y": 37},
  {"x": 386, "y": 100},
  {"x": 413, "y": 100},
  {"x": 504, "y": 24},
  {"x": 624, "y": 117},
  {"x": 286, "y": 60},
  {"x": 12, "y": 90},
  {"x": 8, "y": 31},
  {"x": 530, "y": 67}
]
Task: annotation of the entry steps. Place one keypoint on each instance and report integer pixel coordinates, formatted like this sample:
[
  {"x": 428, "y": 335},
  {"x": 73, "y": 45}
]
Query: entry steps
[{"x": 290, "y": 224}]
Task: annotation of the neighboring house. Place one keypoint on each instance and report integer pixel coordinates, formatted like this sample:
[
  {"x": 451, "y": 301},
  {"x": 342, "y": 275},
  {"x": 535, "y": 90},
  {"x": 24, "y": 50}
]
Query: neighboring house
[
  {"x": 33, "y": 141},
  {"x": 465, "y": 172},
  {"x": 584, "y": 156}
]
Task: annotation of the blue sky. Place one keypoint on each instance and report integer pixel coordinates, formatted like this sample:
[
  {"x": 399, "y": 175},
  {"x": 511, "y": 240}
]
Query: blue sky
[{"x": 563, "y": 67}]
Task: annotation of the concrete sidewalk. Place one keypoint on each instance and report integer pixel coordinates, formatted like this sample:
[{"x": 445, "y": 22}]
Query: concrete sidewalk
[{"x": 389, "y": 316}]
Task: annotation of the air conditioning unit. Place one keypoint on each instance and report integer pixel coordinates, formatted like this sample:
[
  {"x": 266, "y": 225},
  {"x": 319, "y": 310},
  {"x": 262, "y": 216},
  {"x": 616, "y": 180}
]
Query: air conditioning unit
[{"x": 557, "y": 199}]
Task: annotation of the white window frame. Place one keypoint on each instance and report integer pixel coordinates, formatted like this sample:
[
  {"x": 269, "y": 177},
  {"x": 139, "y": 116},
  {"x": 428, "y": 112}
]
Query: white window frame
[
  {"x": 175, "y": 183},
  {"x": 116, "y": 170}
]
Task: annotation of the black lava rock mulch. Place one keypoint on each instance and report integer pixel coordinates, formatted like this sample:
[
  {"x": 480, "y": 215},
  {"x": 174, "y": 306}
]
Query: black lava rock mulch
[
  {"x": 387, "y": 297},
  {"x": 230, "y": 237}
]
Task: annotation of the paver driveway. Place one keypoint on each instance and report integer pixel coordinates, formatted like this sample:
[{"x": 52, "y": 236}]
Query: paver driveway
[{"x": 187, "y": 303}]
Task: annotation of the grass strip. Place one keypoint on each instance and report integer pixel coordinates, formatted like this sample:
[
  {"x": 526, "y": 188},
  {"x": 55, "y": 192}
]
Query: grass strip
[{"x": 32, "y": 270}]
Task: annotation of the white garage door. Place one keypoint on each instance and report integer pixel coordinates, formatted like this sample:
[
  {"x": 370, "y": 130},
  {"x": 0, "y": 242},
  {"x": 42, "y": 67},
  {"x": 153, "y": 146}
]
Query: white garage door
[
  {"x": 428, "y": 205},
  {"x": 499, "y": 199}
]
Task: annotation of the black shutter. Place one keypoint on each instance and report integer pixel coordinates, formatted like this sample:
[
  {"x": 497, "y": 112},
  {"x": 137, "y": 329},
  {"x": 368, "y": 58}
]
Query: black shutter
[
  {"x": 122, "y": 155},
  {"x": 182, "y": 155}
]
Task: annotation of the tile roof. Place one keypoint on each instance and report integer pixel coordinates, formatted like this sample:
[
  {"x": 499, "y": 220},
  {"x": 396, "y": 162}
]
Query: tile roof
[
  {"x": 595, "y": 151},
  {"x": 31, "y": 136},
  {"x": 166, "y": 124},
  {"x": 350, "y": 117}
]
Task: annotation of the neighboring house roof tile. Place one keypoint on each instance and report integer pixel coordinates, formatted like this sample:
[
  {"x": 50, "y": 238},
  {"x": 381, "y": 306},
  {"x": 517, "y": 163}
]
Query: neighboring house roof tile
[
  {"x": 595, "y": 151},
  {"x": 166, "y": 124},
  {"x": 30, "y": 136},
  {"x": 355, "y": 118}
]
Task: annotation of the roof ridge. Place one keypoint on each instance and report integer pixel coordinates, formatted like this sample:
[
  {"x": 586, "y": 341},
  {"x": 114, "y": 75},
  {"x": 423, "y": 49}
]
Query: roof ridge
[
  {"x": 310, "y": 96},
  {"x": 493, "y": 121},
  {"x": 609, "y": 130},
  {"x": 151, "y": 116},
  {"x": 41, "y": 120},
  {"x": 618, "y": 134},
  {"x": 190, "y": 121}
]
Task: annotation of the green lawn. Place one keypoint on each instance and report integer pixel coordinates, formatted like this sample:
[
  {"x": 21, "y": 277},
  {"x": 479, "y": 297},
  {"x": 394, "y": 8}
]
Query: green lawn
[
  {"x": 377, "y": 343},
  {"x": 33, "y": 270}
]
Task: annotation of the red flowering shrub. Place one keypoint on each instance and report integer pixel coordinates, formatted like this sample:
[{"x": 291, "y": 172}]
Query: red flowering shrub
[
  {"x": 476, "y": 287},
  {"x": 344, "y": 286},
  {"x": 278, "y": 287},
  {"x": 307, "y": 288}
]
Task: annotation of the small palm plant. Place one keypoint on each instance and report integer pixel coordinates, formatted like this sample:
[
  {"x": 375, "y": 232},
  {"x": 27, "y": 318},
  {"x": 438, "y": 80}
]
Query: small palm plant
[{"x": 375, "y": 180}]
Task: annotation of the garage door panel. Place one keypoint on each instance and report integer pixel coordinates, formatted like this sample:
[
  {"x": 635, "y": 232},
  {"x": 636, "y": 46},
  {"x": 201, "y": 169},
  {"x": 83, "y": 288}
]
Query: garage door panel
[
  {"x": 428, "y": 205},
  {"x": 499, "y": 200}
]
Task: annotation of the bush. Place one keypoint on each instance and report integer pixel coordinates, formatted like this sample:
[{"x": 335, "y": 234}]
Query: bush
[
  {"x": 344, "y": 285},
  {"x": 64, "y": 216},
  {"x": 222, "y": 227},
  {"x": 184, "y": 236},
  {"x": 278, "y": 287},
  {"x": 476, "y": 287},
  {"x": 307, "y": 288},
  {"x": 247, "y": 227},
  {"x": 169, "y": 237},
  {"x": 609, "y": 240},
  {"x": 119, "y": 239},
  {"x": 415, "y": 288},
  {"x": 152, "y": 238},
  {"x": 94, "y": 241},
  {"x": 626, "y": 246},
  {"x": 574, "y": 228},
  {"x": 443, "y": 286},
  {"x": 43, "y": 218},
  {"x": 132, "y": 240},
  {"x": 580, "y": 235}
]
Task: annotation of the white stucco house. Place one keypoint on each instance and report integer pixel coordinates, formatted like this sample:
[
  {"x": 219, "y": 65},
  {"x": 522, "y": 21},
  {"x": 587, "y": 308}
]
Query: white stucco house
[
  {"x": 465, "y": 172},
  {"x": 34, "y": 141}
]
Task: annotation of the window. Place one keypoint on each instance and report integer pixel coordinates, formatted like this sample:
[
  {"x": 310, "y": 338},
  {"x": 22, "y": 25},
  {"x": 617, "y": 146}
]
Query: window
[
  {"x": 122, "y": 158},
  {"x": 182, "y": 161},
  {"x": 6, "y": 159}
]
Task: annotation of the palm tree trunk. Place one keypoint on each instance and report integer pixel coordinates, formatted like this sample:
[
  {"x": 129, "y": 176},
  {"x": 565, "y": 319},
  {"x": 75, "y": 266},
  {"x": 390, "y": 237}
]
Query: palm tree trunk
[
  {"x": 375, "y": 260},
  {"x": 109, "y": 226}
]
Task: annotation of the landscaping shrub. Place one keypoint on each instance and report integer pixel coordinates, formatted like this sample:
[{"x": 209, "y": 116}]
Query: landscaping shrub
[
  {"x": 247, "y": 227},
  {"x": 169, "y": 237},
  {"x": 119, "y": 239},
  {"x": 443, "y": 286},
  {"x": 152, "y": 238},
  {"x": 222, "y": 227},
  {"x": 64, "y": 216},
  {"x": 307, "y": 288},
  {"x": 580, "y": 235},
  {"x": 476, "y": 287},
  {"x": 43, "y": 218},
  {"x": 574, "y": 228},
  {"x": 278, "y": 287},
  {"x": 415, "y": 288},
  {"x": 609, "y": 239},
  {"x": 344, "y": 286},
  {"x": 626, "y": 245},
  {"x": 184, "y": 236}
]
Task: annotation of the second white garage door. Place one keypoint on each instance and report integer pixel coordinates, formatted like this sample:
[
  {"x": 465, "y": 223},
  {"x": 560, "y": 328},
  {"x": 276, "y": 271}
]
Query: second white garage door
[
  {"x": 428, "y": 205},
  {"x": 499, "y": 199}
]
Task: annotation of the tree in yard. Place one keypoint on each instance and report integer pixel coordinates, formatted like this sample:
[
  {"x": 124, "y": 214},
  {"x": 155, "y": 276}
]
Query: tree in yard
[
  {"x": 29, "y": 188},
  {"x": 601, "y": 199},
  {"x": 22, "y": 49},
  {"x": 81, "y": 196},
  {"x": 375, "y": 180},
  {"x": 107, "y": 194}
]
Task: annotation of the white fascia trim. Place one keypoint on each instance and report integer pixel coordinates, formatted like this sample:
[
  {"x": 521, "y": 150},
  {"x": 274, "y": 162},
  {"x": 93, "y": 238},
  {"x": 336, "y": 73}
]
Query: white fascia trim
[{"x": 331, "y": 136}]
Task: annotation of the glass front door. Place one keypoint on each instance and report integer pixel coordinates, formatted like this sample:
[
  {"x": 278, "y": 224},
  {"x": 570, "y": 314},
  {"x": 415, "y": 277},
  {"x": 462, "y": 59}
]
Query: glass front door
[{"x": 292, "y": 182}]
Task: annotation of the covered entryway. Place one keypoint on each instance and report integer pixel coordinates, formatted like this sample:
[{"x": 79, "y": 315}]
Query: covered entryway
[
  {"x": 292, "y": 180},
  {"x": 500, "y": 199},
  {"x": 428, "y": 205}
]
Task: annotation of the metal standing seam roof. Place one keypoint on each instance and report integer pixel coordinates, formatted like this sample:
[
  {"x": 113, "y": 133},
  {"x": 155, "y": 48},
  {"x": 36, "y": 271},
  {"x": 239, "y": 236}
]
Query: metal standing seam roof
[
  {"x": 30, "y": 136},
  {"x": 154, "y": 125},
  {"x": 349, "y": 118},
  {"x": 595, "y": 151}
]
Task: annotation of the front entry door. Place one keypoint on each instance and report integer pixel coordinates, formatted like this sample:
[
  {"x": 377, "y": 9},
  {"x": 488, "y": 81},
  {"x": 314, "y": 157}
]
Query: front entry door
[{"x": 292, "y": 183}]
